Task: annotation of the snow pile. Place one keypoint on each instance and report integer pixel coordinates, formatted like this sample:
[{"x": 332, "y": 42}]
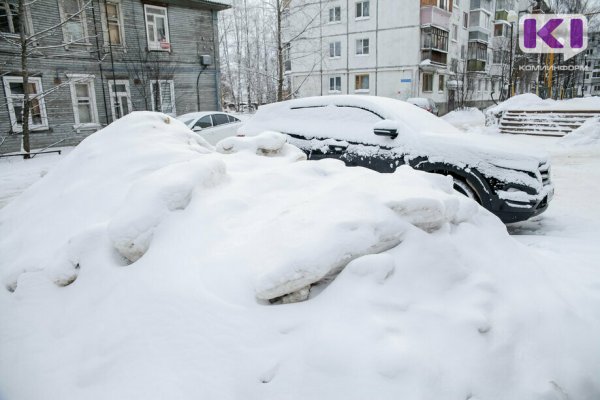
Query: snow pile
[
  {"x": 530, "y": 101},
  {"x": 146, "y": 253},
  {"x": 465, "y": 119},
  {"x": 586, "y": 135}
]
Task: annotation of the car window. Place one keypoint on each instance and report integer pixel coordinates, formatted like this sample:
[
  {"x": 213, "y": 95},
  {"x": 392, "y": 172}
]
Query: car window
[
  {"x": 233, "y": 119},
  {"x": 188, "y": 121},
  {"x": 220, "y": 119},
  {"x": 204, "y": 122}
]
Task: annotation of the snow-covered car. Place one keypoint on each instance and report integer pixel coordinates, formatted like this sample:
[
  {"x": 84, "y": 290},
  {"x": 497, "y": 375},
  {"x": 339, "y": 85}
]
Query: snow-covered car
[
  {"x": 212, "y": 126},
  {"x": 424, "y": 103},
  {"x": 382, "y": 134}
]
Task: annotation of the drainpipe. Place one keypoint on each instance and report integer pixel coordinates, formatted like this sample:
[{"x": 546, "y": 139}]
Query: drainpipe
[
  {"x": 198, "y": 86},
  {"x": 217, "y": 63}
]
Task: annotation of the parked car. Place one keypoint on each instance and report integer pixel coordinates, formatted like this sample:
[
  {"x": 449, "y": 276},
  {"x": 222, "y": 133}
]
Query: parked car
[
  {"x": 382, "y": 134},
  {"x": 425, "y": 104},
  {"x": 211, "y": 125}
]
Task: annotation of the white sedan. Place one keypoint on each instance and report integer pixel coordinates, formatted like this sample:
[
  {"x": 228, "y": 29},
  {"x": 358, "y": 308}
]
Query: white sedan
[{"x": 211, "y": 125}]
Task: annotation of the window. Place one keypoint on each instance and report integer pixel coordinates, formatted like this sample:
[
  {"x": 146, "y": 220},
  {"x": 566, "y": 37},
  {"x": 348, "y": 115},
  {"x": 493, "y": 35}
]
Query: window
[
  {"x": 479, "y": 85},
  {"x": 454, "y": 32},
  {"x": 83, "y": 97},
  {"x": 204, "y": 122},
  {"x": 14, "y": 89},
  {"x": 233, "y": 119},
  {"x": 220, "y": 119},
  {"x": 487, "y": 85},
  {"x": 335, "y": 49},
  {"x": 454, "y": 65},
  {"x": 434, "y": 38},
  {"x": 362, "y": 47},
  {"x": 362, "y": 9},
  {"x": 120, "y": 99},
  {"x": 427, "y": 82},
  {"x": 112, "y": 23},
  {"x": 361, "y": 83},
  {"x": 157, "y": 28},
  {"x": 162, "y": 93},
  {"x": 596, "y": 74},
  {"x": 462, "y": 52},
  {"x": 441, "y": 83},
  {"x": 9, "y": 17},
  {"x": 465, "y": 20},
  {"x": 72, "y": 16},
  {"x": 335, "y": 14},
  {"x": 335, "y": 84}
]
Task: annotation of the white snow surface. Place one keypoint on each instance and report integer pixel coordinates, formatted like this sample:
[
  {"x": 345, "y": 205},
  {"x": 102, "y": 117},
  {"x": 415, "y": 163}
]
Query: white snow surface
[
  {"x": 587, "y": 134},
  {"x": 134, "y": 268},
  {"x": 465, "y": 119},
  {"x": 530, "y": 101}
]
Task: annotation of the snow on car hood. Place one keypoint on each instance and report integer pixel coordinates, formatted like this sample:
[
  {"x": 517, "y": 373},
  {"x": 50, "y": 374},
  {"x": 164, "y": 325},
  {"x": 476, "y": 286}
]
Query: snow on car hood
[
  {"x": 419, "y": 133},
  {"x": 139, "y": 266}
]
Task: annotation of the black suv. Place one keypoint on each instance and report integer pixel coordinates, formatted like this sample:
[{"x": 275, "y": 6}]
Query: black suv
[{"x": 382, "y": 134}]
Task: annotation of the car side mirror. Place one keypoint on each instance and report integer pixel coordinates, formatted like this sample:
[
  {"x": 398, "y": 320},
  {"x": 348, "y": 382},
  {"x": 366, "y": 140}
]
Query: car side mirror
[
  {"x": 196, "y": 129},
  {"x": 387, "y": 128}
]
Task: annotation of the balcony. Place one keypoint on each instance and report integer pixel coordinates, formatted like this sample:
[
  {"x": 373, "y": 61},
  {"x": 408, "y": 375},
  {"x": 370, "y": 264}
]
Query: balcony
[
  {"x": 478, "y": 36},
  {"x": 435, "y": 16},
  {"x": 501, "y": 15},
  {"x": 435, "y": 56},
  {"x": 481, "y": 4},
  {"x": 475, "y": 66}
]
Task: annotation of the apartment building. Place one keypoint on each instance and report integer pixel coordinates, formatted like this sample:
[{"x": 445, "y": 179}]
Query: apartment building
[
  {"x": 590, "y": 83},
  {"x": 93, "y": 61},
  {"x": 440, "y": 49}
]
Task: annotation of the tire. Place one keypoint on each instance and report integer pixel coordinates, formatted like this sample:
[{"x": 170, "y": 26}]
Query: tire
[{"x": 465, "y": 189}]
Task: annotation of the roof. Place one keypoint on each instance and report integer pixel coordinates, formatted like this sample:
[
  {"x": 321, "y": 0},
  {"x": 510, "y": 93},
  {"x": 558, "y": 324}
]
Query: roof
[{"x": 202, "y": 4}]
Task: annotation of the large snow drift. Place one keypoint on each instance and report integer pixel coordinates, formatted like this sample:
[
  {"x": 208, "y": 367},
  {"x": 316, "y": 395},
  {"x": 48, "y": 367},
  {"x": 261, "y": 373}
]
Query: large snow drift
[{"x": 141, "y": 265}]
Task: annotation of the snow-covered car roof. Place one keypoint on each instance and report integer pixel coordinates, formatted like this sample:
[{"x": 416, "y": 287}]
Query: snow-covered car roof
[
  {"x": 284, "y": 115},
  {"x": 200, "y": 114},
  {"x": 418, "y": 101}
]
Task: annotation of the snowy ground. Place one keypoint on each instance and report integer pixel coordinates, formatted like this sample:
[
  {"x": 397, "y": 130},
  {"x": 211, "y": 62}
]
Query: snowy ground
[{"x": 138, "y": 268}]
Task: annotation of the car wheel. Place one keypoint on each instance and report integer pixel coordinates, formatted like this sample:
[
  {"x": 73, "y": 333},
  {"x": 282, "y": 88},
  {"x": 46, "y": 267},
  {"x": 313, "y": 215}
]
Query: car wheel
[{"x": 465, "y": 189}]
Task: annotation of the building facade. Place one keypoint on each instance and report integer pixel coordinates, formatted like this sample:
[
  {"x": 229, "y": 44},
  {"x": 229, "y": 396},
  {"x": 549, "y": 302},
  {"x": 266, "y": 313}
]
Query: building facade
[
  {"x": 452, "y": 51},
  {"x": 93, "y": 61}
]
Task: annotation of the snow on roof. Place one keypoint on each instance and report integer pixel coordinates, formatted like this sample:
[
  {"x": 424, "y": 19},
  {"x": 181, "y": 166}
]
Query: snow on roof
[{"x": 142, "y": 254}]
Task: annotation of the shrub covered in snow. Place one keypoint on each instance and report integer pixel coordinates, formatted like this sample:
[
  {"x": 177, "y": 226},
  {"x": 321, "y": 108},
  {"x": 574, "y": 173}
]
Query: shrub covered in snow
[{"x": 146, "y": 263}]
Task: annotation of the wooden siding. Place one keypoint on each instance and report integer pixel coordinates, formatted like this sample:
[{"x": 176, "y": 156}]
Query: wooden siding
[{"x": 192, "y": 33}]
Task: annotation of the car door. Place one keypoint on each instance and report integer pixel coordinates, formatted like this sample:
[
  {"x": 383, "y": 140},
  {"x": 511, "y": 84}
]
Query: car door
[
  {"x": 205, "y": 125},
  {"x": 221, "y": 129}
]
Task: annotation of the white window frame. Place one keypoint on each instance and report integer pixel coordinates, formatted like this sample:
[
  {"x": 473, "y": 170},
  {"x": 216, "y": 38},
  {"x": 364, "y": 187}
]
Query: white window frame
[
  {"x": 334, "y": 80},
  {"x": 336, "y": 45},
  {"x": 362, "y": 47},
  {"x": 362, "y": 9},
  {"x": 112, "y": 94},
  {"x": 441, "y": 83},
  {"x": 332, "y": 12},
  {"x": 78, "y": 79},
  {"x": 361, "y": 90},
  {"x": 105, "y": 31},
  {"x": 172, "y": 90},
  {"x": 429, "y": 90},
  {"x": 28, "y": 22},
  {"x": 7, "y": 80},
  {"x": 156, "y": 45},
  {"x": 82, "y": 21}
]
